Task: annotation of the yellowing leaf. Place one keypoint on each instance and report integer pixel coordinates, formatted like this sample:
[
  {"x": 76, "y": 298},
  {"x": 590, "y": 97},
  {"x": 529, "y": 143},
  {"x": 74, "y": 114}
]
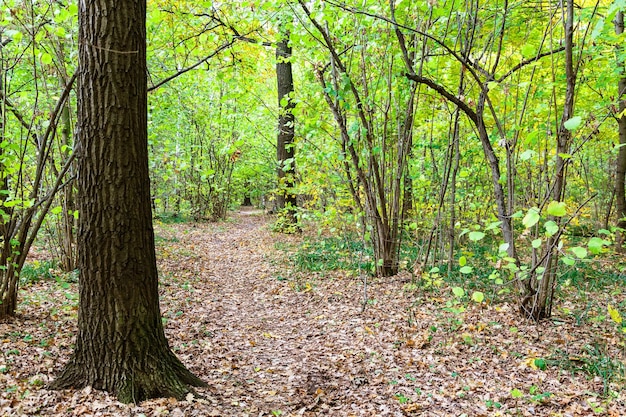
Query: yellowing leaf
[
  {"x": 530, "y": 362},
  {"x": 478, "y": 297},
  {"x": 531, "y": 218},
  {"x": 615, "y": 315},
  {"x": 557, "y": 209}
]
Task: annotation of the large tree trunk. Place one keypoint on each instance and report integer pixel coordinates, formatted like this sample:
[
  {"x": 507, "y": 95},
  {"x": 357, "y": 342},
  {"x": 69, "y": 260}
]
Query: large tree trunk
[
  {"x": 620, "y": 195},
  {"x": 285, "y": 198},
  {"x": 120, "y": 346}
]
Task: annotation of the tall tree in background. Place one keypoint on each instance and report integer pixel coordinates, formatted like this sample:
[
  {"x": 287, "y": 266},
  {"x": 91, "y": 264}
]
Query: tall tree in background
[
  {"x": 120, "y": 346},
  {"x": 620, "y": 194},
  {"x": 286, "y": 198}
]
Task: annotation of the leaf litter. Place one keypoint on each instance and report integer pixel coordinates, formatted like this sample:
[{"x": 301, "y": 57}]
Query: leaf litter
[{"x": 273, "y": 341}]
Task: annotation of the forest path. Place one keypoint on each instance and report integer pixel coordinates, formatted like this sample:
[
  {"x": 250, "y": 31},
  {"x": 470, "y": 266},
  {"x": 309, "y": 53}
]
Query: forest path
[
  {"x": 269, "y": 346},
  {"x": 274, "y": 341}
]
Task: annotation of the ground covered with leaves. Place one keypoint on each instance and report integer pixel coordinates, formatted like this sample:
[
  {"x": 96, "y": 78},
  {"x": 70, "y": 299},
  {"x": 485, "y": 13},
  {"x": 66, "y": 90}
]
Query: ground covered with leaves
[{"x": 272, "y": 340}]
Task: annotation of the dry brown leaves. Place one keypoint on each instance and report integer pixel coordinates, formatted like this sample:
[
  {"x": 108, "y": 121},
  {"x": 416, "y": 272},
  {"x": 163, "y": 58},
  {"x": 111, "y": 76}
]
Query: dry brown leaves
[{"x": 269, "y": 347}]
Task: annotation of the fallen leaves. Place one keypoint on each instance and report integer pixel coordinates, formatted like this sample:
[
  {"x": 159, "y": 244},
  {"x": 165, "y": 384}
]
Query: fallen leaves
[{"x": 268, "y": 339}]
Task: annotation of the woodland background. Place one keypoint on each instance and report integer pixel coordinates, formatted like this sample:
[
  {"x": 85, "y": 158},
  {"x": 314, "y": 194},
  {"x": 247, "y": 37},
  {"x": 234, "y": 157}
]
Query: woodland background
[{"x": 476, "y": 148}]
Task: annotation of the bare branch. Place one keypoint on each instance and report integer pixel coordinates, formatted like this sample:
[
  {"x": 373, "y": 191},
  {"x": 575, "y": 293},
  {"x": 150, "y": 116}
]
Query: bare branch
[{"x": 194, "y": 66}]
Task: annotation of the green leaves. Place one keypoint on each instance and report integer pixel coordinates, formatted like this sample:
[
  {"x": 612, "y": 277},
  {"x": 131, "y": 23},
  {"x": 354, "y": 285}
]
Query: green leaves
[
  {"x": 551, "y": 228},
  {"x": 476, "y": 236},
  {"x": 478, "y": 297},
  {"x": 596, "y": 245},
  {"x": 580, "y": 252},
  {"x": 466, "y": 270},
  {"x": 540, "y": 363},
  {"x": 531, "y": 218},
  {"x": 573, "y": 123},
  {"x": 46, "y": 59},
  {"x": 556, "y": 209},
  {"x": 515, "y": 393}
]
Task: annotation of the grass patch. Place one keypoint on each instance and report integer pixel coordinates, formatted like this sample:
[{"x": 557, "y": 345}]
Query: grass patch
[
  {"x": 333, "y": 253},
  {"x": 172, "y": 218},
  {"x": 163, "y": 239},
  {"x": 595, "y": 361},
  {"x": 36, "y": 271}
]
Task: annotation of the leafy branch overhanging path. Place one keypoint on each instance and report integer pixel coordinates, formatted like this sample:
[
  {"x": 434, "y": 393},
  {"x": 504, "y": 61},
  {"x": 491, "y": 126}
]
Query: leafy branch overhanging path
[{"x": 270, "y": 340}]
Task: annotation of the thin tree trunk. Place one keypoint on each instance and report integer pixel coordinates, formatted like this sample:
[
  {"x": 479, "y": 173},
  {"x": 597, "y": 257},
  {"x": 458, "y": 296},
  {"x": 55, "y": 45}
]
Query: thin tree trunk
[
  {"x": 68, "y": 252},
  {"x": 120, "y": 345},
  {"x": 538, "y": 303},
  {"x": 620, "y": 195},
  {"x": 8, "y": 289}
]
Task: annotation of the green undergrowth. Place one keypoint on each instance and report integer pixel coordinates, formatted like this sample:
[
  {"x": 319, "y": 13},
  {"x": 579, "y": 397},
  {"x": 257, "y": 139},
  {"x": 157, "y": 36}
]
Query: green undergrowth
[
  {"x": 172, "y": 218},
  {"x": 350, "y": 253},
  {"x": 331, "y": 254},
  {"x": 36, "y": 271},
  {"x": 595, "y": 361}
]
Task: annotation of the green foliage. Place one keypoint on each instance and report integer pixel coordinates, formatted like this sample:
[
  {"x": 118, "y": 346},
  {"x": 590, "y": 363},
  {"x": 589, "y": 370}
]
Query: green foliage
[
  {"x": 333, "y": 253},
  {"x": 594, "y": 361},
  {"x": 171, "y": 218},
  {"x": 286, "y": 222},
  {"x": 38, "y": 270}
]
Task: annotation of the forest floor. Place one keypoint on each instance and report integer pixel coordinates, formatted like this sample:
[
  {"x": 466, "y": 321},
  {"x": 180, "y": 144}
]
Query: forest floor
[{"x": 272, "y": 341}]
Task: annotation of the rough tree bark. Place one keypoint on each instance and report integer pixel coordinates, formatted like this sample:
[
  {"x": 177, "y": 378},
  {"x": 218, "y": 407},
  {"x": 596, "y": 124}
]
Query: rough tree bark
[{"x": 120, "y": 345}]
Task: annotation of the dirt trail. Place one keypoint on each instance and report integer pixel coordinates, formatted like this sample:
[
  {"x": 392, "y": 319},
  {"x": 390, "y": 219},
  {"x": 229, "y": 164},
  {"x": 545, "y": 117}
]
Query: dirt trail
[{"x": 271, "y": 348}]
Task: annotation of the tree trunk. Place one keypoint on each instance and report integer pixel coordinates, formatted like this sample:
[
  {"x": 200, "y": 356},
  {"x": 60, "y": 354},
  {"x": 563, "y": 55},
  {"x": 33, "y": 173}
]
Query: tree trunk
[
  {"x": 285, "y": 198},
  {"x": 620, "y": 195},
  {"x": 120, "y": 346},
  {"x": 538, "y": 304},
  {"x": 68, "y": 250},
  {"x": 8, "y": 280}
]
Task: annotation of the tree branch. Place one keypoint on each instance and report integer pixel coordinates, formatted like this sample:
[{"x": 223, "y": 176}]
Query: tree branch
[
  {"x": 445, "y": 93},
  {"x": 194, "y": 66},
  {"x": 529, "y": 61}
]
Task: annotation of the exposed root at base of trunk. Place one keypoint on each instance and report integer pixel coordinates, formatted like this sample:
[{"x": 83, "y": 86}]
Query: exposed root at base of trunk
[{"x": 167, "y": 378}]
